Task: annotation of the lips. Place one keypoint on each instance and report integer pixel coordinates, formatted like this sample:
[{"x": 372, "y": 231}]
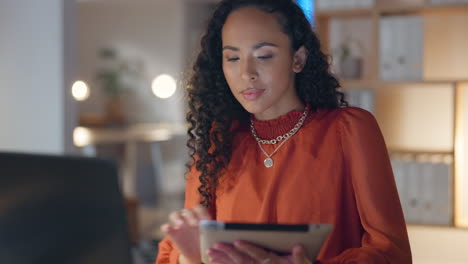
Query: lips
[{"x": 252, "y": 93}]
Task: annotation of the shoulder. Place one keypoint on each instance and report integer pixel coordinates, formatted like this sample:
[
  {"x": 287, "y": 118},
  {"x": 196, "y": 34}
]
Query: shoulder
[
  {"x": 348, "y": 121},
  {"x": 355, "y": 115},
  {"x": 358, "y": 125},
  {"x": 342, "y": 116}
]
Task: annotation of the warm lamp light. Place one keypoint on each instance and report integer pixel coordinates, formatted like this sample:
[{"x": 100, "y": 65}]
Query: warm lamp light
[
  {"x": 164, "y": 86},
  {"x": 81, "y": 136},
  {"x": 80, "y": 91}
]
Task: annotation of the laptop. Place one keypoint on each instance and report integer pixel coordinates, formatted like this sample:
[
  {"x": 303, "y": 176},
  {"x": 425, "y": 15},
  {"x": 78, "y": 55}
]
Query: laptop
[{"x": 61, "y": 210}]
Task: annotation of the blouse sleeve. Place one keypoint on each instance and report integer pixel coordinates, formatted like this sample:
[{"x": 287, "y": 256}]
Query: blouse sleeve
[
  {"x": 385, "y": 238},
  {"x": 167, "y": 252}
]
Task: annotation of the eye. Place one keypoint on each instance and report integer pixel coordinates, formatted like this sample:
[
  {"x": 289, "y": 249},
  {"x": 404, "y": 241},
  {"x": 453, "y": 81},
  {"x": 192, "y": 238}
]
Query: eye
[
  {"x": 232, "y": 59},
  {"x": 265, "y": 57}
]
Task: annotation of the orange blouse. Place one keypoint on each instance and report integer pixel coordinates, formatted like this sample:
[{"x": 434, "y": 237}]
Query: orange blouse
[{"x": 335, "y": 170}]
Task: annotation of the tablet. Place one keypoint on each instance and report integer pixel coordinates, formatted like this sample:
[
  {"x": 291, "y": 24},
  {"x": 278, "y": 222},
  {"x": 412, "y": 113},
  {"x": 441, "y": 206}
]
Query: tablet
[{"x": 274, "y": 237}]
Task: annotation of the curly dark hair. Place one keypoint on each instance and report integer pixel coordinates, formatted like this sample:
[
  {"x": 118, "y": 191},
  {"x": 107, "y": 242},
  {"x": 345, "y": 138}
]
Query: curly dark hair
[{"x": 212, "y": 107}]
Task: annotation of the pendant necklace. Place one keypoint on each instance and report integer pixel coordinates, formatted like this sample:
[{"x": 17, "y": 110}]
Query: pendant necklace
[{"x": 268, "y": 162}]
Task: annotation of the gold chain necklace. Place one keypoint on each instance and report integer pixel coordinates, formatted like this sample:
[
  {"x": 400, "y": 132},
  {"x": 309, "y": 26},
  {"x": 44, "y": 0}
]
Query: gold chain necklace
[{"x": 268, "y": 162}]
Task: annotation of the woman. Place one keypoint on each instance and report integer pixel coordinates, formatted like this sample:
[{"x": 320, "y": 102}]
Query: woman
[{"x": 272, "y": 141}]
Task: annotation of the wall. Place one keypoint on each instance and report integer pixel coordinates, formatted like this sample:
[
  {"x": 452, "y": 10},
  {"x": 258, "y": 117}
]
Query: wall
[
  {"x": 445, "y": 47},
  {"x": 431, "y": 245},
  {"x": 197, "y": 15},
  {"x": 32, "y": 76},
  {"x": 145, "y": 30}
]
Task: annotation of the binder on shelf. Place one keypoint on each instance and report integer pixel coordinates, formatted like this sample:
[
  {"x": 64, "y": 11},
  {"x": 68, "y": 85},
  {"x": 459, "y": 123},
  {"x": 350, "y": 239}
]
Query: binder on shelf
[
  {"x": 353, "y": 3},
  {"x": 398, "y": 173},
  {"x": 447, "y": 2},
  {"x": 368, "y": 100},
  {"x": 385, "y": 49},
  {"x": 405, "y": 197},
  {"x": 336, "y": 31},
  {"x": 436, "y": 2},
  {"x": 333, "y": 4},
  {"x": 366, "y": 3},
  {"x": 414, "y": 51},
  {"x": 427, "y": 198},
  {"x": 399, "y": 33},
  {"x": 414, "y": 192},
  {"x": 401, "y": 48},
  {"x": 348, "y": 4},
  {"x": 362, "y": 98},
  {"x": 390, "y": 48},
  {"x": 443, "y": 193},
  {"x": 425, "y": 191},
  {"x": 322, "y": 4}
]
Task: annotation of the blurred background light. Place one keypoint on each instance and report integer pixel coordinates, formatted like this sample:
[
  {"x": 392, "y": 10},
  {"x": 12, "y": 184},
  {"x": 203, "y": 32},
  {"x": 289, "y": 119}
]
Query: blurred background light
[
  {"x": 80, "y": 91},
  {"x": 81, "y": 136},
  {"x": 164, "y": 86}
]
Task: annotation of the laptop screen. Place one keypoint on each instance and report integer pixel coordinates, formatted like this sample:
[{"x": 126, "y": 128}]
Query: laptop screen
[{"x": 61, "y": 210}]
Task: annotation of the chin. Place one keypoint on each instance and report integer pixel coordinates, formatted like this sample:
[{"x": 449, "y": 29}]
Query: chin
[{"x": 254, "y": 107}]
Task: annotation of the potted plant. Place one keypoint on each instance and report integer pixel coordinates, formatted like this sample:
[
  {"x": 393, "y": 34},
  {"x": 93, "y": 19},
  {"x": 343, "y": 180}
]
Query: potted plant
[
  {"x": 350, "y": 65},
  {"x": 111, "y": 79}
]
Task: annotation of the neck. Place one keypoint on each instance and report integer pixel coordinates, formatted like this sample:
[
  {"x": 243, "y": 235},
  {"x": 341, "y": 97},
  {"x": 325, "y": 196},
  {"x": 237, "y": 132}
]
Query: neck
[
  {"x": 271, "y": 129},
  {"x": 277, "y": 111}
]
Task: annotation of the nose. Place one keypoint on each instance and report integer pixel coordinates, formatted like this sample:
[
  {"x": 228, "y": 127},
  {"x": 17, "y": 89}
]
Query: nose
[{"x": 248, "y": 71}]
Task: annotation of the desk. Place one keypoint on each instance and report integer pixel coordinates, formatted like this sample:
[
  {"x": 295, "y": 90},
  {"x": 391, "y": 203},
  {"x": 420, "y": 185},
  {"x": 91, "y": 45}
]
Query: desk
[
  {"x": 88, "y": 138},
  {"x": 129, "y": 136}
]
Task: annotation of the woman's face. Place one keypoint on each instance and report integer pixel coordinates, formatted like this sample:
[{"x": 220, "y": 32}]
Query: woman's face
[{"x": 259, "y": 63}]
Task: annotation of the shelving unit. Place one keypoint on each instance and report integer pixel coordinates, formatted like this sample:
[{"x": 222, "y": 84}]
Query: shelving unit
[{"x": 427, "y": 116}]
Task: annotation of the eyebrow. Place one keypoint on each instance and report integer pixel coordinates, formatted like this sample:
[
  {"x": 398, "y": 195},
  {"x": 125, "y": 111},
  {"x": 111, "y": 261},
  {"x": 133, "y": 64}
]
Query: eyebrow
[{"x": 256, "y": 46}]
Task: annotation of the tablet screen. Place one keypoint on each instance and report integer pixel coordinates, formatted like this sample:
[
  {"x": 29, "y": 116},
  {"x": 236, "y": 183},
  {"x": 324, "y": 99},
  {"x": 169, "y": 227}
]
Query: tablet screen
[{"x": 278, "y": 238}]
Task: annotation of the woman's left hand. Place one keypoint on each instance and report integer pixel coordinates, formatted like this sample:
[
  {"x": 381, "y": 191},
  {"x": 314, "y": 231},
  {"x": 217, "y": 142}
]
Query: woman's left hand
[{"x": 242, "y": 252}]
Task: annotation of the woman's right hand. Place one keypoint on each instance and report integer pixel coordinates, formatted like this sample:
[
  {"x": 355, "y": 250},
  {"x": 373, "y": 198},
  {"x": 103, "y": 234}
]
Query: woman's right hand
[{"x": 182, "y": 229}]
